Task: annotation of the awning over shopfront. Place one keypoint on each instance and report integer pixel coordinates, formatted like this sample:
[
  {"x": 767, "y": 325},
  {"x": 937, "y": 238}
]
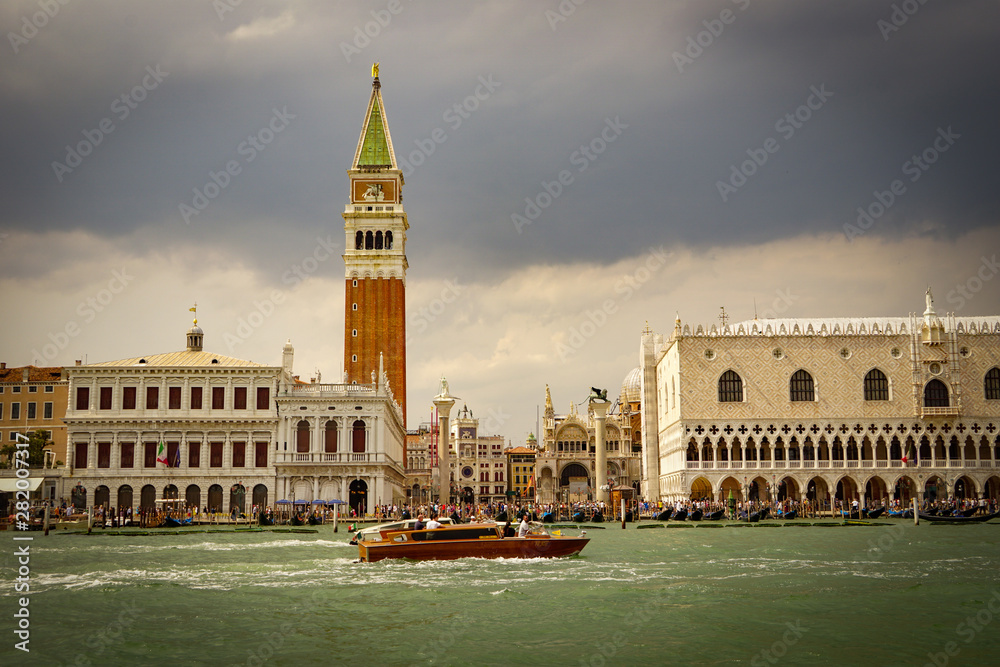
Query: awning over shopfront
[{"x": 9, "y": 484}]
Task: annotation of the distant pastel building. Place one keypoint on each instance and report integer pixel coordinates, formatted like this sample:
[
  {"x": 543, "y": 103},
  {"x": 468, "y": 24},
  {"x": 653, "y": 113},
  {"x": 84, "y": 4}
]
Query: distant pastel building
[{"x": 33, "y": 398}]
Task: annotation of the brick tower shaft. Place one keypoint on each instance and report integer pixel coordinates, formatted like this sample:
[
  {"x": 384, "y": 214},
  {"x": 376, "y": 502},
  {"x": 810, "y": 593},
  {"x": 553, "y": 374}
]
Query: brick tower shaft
[{"x": 375, "y": 263}]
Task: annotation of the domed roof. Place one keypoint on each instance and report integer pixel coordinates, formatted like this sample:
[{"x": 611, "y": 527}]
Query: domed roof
[
  {"x": 195, "y": 329},
  {"x": 632, "y": 386}
]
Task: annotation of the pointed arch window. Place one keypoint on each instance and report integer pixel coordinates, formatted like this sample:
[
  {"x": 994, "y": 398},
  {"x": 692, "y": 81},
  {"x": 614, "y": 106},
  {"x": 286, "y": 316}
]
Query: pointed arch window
[
  {"x": 730, "y": 387},
  {"x": 991, "y": 384},
  {"x": 801, "y": 387},
  {"x": 876, "y": 386},
  {"x": 936, "y": 395},
  {"x": 388, "y": 240}
]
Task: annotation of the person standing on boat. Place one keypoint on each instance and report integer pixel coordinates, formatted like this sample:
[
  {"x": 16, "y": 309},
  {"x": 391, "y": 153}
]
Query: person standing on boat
[
  {"x": 433, "y": 524},
  {"x": 523, "y": 529}
]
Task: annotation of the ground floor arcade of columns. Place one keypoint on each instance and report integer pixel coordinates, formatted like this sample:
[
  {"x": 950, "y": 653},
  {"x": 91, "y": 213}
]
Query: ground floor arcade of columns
[
  {"x": 869, "y": 487},
  {"x": 363, "y": 491}
]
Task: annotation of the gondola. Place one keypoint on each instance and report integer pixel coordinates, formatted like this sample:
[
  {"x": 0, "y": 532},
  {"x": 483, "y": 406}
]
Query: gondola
[
  {"x": 628, "y": 517},
  {"x": 297, "y": 520},
  {"x": 754, "y": 517},
  {"x": 665, "y": 514},
  {"x": 969, "y": 512},
  {"x": 548, "y": 518},
  {"x": 455, "y": 518},
  {"x": 854, "y": 514},
  {"x": 789, "y": 515},
  {"x": 265, "y": 519},
  {"x": 171, "y": 522},
  {"x": 937, "y": 518},
  {"x": 681, "y": 515},
  {"x": 696, "y": 515},
  {"x": 876, "y": 513},
  {"x": 715, "y": 516},
  {"x": 901, "y": 514},
  {"x": 406, "y": 515},
  {"x": 579, "y": 517},
  {"x": 764, "y": 513},
  {"x": 502, "y": 517},
  {"x": 315, "y": 520},
  {"x": 597, "y": 518}
]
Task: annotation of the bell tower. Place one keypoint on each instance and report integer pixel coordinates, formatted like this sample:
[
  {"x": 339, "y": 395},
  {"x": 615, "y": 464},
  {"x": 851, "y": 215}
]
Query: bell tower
[{"x": 375, "y": 257}]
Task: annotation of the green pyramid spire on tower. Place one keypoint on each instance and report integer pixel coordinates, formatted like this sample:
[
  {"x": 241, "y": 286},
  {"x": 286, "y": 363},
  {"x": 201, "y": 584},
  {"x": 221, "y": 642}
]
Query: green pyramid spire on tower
[{"x": 375, "y": 146}]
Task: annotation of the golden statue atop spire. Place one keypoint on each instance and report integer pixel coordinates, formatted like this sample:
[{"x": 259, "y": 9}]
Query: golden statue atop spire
[{"x": 374, "y": 70}]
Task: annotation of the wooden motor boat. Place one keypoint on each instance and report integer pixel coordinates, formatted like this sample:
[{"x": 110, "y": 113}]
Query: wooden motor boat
[
  {"x": 937, "y": 518},
  {"x": 468, "y": 541},
  {"x": 680, "y": 515}
]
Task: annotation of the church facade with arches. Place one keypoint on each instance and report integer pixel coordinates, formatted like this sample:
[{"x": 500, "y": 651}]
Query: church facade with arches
[
  {"x": 868, "y": 409},
  {"x": 565, "y": 466}
]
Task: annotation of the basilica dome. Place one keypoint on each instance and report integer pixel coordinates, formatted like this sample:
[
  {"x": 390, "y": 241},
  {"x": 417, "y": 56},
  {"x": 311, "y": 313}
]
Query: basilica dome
[{"x": 632, "y": 386}]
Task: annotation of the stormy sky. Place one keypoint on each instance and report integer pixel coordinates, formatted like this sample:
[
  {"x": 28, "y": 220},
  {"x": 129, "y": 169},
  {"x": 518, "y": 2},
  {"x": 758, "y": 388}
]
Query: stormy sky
[{"x": 573, "y": 171}]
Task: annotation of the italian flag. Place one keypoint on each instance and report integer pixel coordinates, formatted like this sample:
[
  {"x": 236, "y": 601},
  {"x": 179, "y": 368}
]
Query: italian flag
[{"x": 161, "y": 455}]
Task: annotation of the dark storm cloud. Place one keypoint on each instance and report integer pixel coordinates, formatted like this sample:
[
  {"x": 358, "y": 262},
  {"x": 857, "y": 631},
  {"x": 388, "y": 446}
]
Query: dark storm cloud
[{"x": 680, "y": 128}]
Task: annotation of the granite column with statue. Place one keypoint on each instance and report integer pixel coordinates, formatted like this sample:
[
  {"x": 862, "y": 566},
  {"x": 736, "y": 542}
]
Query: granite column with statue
[
  {"x": 600, "y": 409},
  {"x": 444, "y": 402}
]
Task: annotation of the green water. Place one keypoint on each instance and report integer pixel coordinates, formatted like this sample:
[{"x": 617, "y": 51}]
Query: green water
[{"x": 846, "y": 596}]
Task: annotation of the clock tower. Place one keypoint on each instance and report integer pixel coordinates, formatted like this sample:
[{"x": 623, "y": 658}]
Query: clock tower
[{"x": 375, "y": 257}]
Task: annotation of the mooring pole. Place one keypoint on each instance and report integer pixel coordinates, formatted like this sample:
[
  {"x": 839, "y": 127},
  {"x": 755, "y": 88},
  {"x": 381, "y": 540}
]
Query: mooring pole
[{"x": 916, "y": 516}]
